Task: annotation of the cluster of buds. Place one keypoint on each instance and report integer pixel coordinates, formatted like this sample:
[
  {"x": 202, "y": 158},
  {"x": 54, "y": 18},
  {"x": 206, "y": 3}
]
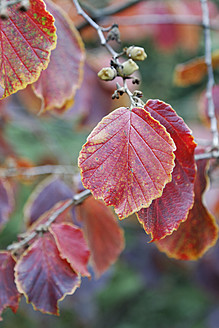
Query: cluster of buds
[
  {"x": 135, "y": 53},
  {"x": 23, "y": 6},
  {"x": 125, "y": 69}
]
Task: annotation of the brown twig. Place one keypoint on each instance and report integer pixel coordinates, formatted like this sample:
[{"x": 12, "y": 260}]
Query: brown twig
[{"x": 77, "y": 199}]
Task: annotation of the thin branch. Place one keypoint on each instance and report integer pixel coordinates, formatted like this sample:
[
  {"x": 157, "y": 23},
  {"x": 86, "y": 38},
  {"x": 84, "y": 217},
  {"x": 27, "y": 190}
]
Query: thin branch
[
  {"x": 37, "y": 170},
  {"x": 209, "y": 155},
  {"x": 157, "y": 19},
  {"x": 77, "y": 199},
  {"x": 99, "y": 14},
  {"x": 210, "y": 84},
  {"x": 99, "y": 30},
  {"x": 104, "y": 43}
]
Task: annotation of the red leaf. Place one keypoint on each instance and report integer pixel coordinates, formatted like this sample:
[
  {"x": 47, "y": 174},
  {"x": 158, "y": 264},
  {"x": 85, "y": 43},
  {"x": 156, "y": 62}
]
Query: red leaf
[
  {"x": 200, "y": 232},
  {"x": 72, "y": 246},
  {"x": 6, "y": 201},
  {"x": 9, "y": 296},
  {"x": 43, "y": 277},
  {"x": 63, "y": 76},
  {"x": 127, "y": 160},
  {"x": 27, "y": 39},
  {"x": 104, "y": 236},
  {"x": 161, "y": 218},
  {"x": 44, "y": 197}
]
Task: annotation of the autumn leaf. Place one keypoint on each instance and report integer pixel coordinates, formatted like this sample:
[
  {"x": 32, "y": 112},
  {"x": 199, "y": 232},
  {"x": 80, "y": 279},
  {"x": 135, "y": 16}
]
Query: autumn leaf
[
  {"x": 127, "y": 160},
  {"x": 6, "y": 201},
  {"x": 161, "y": 218},
  {"x": 200, "y": 232},
  {"x": 59, "y": 82},
  {"x": 104, "y": 236},
  {"x": 194, "y": 70},
  {"x": 43, "y": 277},
  {"x": 27, "y": 39},
  {"x": 9, "y": 296},
  {"x": 72, "y": 246},
  {"x": 46, "y": 194}
]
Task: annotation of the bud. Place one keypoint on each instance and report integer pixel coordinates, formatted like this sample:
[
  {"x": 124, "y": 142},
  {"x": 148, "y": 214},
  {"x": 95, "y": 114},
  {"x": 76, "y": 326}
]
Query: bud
[
  {"x": 127, "y": 68},
  {"x": 136, "y": 53},
  {"x": 114, "y": 34},
  {"x": 107, "y": 73}
]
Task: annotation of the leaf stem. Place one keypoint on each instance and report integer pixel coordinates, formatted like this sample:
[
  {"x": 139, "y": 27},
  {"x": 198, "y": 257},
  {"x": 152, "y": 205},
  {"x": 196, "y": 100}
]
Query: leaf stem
[
  {"x": 77, "y": 199},
  {"x": 210, "y": 84},
  {"x": 37, "y": 170}
]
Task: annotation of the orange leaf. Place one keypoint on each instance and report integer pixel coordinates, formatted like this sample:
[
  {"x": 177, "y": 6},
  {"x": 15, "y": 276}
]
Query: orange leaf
[
  {"x": 104, "y": 236},
  {"x": 194, "y": 70},
  {"x": 58, "y": 84},
  {"x": 160, "y": 218},
  {"x": 200, "y": 232},
  {"x": 26, "y": 39},
  {"x": 127, "y": 160}
]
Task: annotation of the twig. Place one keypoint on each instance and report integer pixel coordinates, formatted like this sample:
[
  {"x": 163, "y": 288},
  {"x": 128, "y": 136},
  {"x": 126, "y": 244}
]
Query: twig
[
  {"x": 99, "y": 14},
  {"x": 97, "y": 27},
  {"x": 37, "y": 170},
  {"x": 77, "y": 199},
  {"x": 157, "y": 19},
  {"x": 209, "y": 155},
  {"x": 208, "y": 61},
  {"x": 104, "y": 43}
]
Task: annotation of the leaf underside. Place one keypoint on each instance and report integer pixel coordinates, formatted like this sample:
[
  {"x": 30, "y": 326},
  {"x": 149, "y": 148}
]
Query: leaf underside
[
  {"x": 104, "y": 236},
  {"x": 200, "y": 232}
]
